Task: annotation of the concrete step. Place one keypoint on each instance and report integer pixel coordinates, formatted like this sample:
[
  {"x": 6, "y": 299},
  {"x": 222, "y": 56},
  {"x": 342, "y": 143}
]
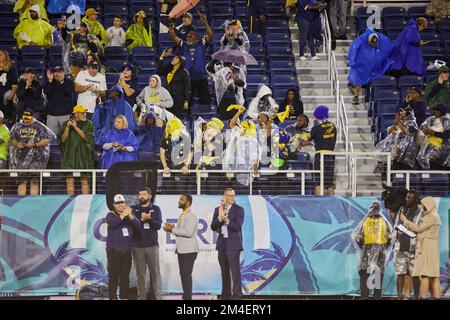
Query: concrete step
[
  {"x": 361, "y": 136},
  {"x": 306, "y": 77},
  {"x": 358, "y": 146},
  {"x": 320, "y": 70},
  {"x": 341, "y": 50},
  {"x": 319, "y": 63},
  {"x": 316, "y": 91}
]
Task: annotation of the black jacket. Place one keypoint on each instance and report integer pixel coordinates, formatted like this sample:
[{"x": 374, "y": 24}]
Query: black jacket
[
  {"x": 180, "y": 86},
  {"x": 59, "y": 97},
  {"x": 29, "y": 98}
]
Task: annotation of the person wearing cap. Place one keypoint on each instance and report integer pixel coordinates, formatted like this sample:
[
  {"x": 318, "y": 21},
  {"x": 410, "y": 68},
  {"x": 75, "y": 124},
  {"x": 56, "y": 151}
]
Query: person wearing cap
[
  {"x": 128, "y": 82},
  {"x": 186, "y": 26},
  {"x": 57, "y": 39},
  {"x": 29, "y": 150},
  {"x": 76, "y": 47},
  {"x": 406, "y": 54},
  {"x": 119, "y": 144},
  {"x": 95, "y": 27},
  {"x": 154, "y": 95},
  {"x": 33, "y": 31},
  {"x": 90, "y": 85},
  {"x": 139, "y": 34},
  {"x": 178, "y": 81},
  {"x": 115, "y": 35},
  {"x": 76, "y": 140},
  {"x": 150, "y": 134},
  {"x": 256, "y": 12},
  {"x": 146, "y": 246},
  {"x": 438, "y": 90},
  {"x": 186, "y": 242},
  {"x": 105, "y": 115},
  {"x": 234, "y": 37},
  {"x": 368, "y": 59},
  {"x": 434, "y": 150},
  {"x": 23, "y": 7},
  {"x": 194, "y": 51},
  {"x": 122, "y": 227},
  {"x": 413, "y": 100},
  {"x": 29, "y": 94},
  {"x": 8, "y": 86},
  {"x": 59, "y": 90},
  {"x": 323, "y": 135},
  {"x": 4, "y": 142}
]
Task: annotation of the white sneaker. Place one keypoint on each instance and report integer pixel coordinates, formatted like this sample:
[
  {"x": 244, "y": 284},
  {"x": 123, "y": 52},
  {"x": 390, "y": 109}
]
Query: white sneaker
[
  {"x": 303, "y": 58},
  {"x": 315, "y": 58}
]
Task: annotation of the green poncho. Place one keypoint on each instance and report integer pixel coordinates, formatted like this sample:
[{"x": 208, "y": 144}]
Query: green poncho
[
  {"x": 139, "y": 35},
  {"x": 76, "y": 153},
  {"x": 38, "y": 31},
  {"x": 441, "y": 97},
  {"x": 97, "y": 29}
]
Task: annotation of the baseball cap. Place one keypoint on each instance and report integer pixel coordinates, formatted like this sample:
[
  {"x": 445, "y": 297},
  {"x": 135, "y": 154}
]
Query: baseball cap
[
  {"x": 443, "y": 69},
  {"x": 79, "y": 108},
  {"x": 235, "y": 22},
  {"x": 94, "y": 64},
  {"x": 188, "y": 15},
  {"x": 57, "y": 69},
  {"x": 27, "y": 114},
  {"x": 90, "y": 11},
  {"x": 416, "y": 90},
  {"x": 119, "y": 198}
]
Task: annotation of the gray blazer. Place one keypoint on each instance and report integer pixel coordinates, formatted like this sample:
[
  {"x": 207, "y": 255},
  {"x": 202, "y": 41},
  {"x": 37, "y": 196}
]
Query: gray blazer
[{"x": 186, "y": 233}]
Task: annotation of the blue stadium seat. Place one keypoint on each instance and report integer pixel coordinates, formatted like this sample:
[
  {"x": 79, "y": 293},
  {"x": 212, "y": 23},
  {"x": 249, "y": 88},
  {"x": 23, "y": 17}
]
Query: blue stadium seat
[
  {"x": 416, "y": 12},
  {"x": 432, "y": 53},
  {"x": 219, "y": 12},
  {"x": 145, "y": 64},
  {"x": 112, "y": 77},
  {"x": 387, "y": 108},
  {"x": 285, "y": 81},
  {"x": 35, "y": 52},
  {"x": 394, "y": 25},
  {"x": 240, "y": 12},
  {"x": 202, "y": 110},
  {"x": 385, "y": 82},
  {"x": 115, "y": 10},
  {"x": 385, "y": 96},
  {"x": 286, "y": 123},
  {"x": 256, "y": 40},
  {"x": 9, "y": 22},
  {"x": 116, "y": 52},
  {"x": 274, "y": 52},
  {"x": 135, "y": 8},
  {"x": 143, "y": 53},
  {"x": 393, "y": 13},
  {"x": 115, "y": 64},
  {"x": 12, "y": 49},
  {"x": 147, "y": 156},
  {"x": 38, "y": 65},
  {"x": 410, "y": 81},
  {"x": 55, "y": 51},
  {"x": 257, "y": 79},
  {"x": 434, "y": 184}
]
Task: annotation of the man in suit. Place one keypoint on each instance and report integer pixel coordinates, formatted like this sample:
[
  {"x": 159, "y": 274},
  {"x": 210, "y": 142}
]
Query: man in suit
[
  {"x": 227, "y": 221},
  {"x": 186, "y": 242}
]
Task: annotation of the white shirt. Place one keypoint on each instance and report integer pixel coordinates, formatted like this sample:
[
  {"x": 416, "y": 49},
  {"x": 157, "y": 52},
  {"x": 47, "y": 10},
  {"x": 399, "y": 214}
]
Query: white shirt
[
  {"x": 224, "y": 227},
  {"x": 115, "y": 37},
  {"x": 88, "y": 99}
]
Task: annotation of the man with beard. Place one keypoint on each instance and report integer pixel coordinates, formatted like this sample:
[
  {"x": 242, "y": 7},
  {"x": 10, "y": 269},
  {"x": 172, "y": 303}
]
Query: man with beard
[
  {"x": 146, "y": 247},
  {"x": 186, "y": 242}
]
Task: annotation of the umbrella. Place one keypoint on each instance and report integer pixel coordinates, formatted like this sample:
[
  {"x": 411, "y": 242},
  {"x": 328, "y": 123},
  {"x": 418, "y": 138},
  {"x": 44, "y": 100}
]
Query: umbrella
[
  {"x": 235, "y": 56},
  {"x": 182, "y": 7}
]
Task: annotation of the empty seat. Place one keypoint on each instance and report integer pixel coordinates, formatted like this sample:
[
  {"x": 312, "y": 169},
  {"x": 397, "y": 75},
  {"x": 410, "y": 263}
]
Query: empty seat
[
  {"x": 116, "y": 52},
  {"x": 410, "y": 81},
  {"x": 33, "y": 52},
  {"x": 143, "y": 52},
  {"x": 416, "y": 12}
]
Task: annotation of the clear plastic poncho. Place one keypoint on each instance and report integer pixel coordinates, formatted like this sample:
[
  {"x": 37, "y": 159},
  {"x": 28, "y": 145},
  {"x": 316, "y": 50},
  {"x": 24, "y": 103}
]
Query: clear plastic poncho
[
  {"x": 75, "y": 49},
  {"x": 402, "y": 146},
  {"x": 433, "y": 148},
  {"x": 222, "y": 82},
  {"x": 30, "y": 158},
  {"x": 372, "y": 238}
]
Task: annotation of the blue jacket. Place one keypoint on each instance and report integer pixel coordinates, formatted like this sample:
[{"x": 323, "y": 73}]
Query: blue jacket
[
  {"x": 195, "y": 56},
  {"x": 147, "y": 237},
  {"x": 309, "y": 15},
  {"x": 256, "y": 8},
  {"x": 116, "y": 239},
  {"x": 236, "y": 220}
]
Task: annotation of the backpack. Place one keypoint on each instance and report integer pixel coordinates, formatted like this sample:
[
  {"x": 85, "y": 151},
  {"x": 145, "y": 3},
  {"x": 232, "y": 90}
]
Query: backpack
[{"x": 92, "y": 292}]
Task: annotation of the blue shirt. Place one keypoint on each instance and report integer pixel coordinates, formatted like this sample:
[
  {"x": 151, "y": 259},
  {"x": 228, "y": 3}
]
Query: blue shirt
[
  {"x": 121, "y": 232},
  {"x": 309, "y": 15},
  {"x": 195, "y": 56},
  {"x": 148, "y": 235}
]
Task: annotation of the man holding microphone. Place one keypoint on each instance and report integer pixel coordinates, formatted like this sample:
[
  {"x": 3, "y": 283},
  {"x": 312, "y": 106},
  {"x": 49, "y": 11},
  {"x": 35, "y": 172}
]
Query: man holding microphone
[{"x": 227, "y": 221}]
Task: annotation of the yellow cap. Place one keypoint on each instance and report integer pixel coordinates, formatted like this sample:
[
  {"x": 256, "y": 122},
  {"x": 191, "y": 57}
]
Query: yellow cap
[
  {"x": 79, "y": 108},
  {"x": 90, "y": 11}
]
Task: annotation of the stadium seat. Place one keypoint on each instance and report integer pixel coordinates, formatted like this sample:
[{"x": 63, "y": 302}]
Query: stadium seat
[
  {"x": 38, "y": 65},
  {"x": 116, "y": 52},
  {"x": 34, "y": 52},
  {"x": 115, "y": 64},
  {"x": 410, "y": 81},
  {"x": 393, "y": 13},
  {"x": 257, "y": 79},
  {"x": 416, "y": 12},
  {"x": 143, "y": 53},
  {"x": 394, "y": 25}
]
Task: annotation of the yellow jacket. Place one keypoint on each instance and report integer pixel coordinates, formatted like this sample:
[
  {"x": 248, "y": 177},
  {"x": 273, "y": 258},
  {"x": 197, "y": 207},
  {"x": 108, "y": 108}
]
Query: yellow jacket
[{"x": 39, "y": 31}]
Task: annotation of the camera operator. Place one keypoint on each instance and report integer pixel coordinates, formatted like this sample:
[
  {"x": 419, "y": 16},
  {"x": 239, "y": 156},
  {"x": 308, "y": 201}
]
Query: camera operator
[{"x": 59, "y": 90}]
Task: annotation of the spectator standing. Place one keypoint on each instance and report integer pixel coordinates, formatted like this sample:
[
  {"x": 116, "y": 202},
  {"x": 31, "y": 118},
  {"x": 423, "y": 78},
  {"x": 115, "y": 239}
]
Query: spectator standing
[
  {"x": 90, "y": 85},
  {"x": 438, "y": 90},
  {"x": 29, "y": 94},
  {"x": 139, "y": 34},
  {"x": 119, "y": 144},
  {"x": 146, "y": 246},
  {"x": 323, "y": 135},
  {"x": 4, "y": 142},
  {"x": 29, "y": 150},
  {"x": 256, "y": 12},
  {"x": 194, "y": 51},
  {"x": 59, "y": 90},
  {"x": 309, "y": 23},
  {"x": 122, "y": 226},
  {"x": 8, "y": 86},
  {"x": 128, "y": 82},
  {"x": 115, "y": 35},
  {"x": 186, "y": 26},
  {"x": 338, "y": 15},
  {"x": 94, "y": 26},
  {"x": 76, "y": 140},
  {"x": 178, "y": 81},
  {"x": 23, "y": 7},
  {"x": 426, "y": 264},
  {"x": 235, "y": 37},
  {"x": 57, "y": 39},
  {"x": 33, "y": 31},
  {"x": 150, "y": 134}
]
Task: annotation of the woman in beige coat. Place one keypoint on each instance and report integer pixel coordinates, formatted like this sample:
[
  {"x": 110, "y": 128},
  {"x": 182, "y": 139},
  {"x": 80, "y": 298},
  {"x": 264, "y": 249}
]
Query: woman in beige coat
[{"x": 426, "y": 265}]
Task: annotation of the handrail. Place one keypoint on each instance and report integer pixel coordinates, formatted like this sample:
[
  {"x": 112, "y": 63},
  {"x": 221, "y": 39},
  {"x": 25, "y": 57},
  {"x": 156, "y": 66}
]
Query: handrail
[{"x": 327, "y": 41}]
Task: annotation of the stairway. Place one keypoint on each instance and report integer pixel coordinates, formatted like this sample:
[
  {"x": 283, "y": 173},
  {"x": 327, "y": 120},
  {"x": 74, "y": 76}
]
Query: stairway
[{"x": 316, "y": 89}]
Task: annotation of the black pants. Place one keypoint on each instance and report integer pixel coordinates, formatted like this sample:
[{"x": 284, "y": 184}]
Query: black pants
[
  {"x": 328, "y": 168},
  {"x": 186, "y": 264},
  {"x": 201, "y": 89},
  {"x": 230, "y": 268},
  {"x": 363, "y": 277},
  {"x": 119, "y": 267}
]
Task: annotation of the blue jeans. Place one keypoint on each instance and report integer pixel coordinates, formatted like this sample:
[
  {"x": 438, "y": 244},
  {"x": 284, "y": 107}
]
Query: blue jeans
[{"x": 307, "y": 30}]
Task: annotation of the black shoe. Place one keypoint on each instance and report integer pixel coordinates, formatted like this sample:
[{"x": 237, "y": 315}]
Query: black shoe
[{"x": 355, "y": 100}]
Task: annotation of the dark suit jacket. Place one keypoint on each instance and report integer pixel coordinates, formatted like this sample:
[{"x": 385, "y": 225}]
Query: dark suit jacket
[{"x": 236, "y": 219}]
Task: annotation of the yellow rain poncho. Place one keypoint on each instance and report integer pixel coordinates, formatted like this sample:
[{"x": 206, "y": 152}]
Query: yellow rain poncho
[
  {"x": 174, "y": 128},
  {"x": 138, "y": 34},
  {"x": 97, "y": 29},
  {"x": 249, "y": 128},
  {"x": 22, "y": 7},
  {"x": 38, "y": 31},
  {"x": 215, "y": 124}
]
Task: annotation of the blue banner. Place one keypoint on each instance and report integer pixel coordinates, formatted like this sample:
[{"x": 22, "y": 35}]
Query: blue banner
[{"x": 51, "y": 245}]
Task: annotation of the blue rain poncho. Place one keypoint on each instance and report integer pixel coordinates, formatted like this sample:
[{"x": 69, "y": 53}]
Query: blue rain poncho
[{"x": 126, "y": 138}]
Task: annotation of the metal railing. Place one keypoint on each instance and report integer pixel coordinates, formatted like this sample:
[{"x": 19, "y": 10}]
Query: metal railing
[
  {"x": 327, "y": 41},
  {"x": 432, "y": 182}
]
